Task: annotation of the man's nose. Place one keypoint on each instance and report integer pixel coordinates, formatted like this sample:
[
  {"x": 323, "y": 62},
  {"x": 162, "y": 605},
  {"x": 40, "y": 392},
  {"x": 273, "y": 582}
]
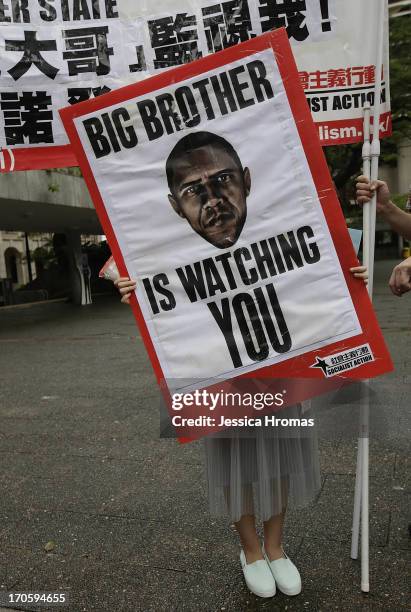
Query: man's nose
[{"x": 211, "y": 196}]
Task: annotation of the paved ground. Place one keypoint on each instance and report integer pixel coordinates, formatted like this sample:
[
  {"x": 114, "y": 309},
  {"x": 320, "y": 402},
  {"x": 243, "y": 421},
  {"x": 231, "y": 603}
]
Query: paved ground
[{"x": 82, "y": 466}]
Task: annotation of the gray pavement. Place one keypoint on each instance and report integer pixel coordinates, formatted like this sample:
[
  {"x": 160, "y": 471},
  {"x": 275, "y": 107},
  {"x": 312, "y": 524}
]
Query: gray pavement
[{"x": 82, "y": 466}]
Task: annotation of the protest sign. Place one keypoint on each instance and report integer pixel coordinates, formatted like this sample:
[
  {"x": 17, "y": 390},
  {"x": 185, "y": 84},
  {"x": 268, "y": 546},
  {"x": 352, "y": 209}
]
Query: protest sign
[
  {"x": 213, "y": 191},
  {"x": 62, "y": 52}
]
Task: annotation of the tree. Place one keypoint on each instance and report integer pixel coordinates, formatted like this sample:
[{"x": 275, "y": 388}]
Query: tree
[{"x": 345, "y": 161}]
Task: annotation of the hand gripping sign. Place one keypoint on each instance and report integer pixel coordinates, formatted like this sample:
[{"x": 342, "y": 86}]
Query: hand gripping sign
[{"x": 213, "y": 191}]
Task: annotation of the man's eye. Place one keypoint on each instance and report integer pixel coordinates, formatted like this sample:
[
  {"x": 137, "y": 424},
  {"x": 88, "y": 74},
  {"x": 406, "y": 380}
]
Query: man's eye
[
  {"x": 192, "y": 191},
  {"x": 223, "y": 178}
]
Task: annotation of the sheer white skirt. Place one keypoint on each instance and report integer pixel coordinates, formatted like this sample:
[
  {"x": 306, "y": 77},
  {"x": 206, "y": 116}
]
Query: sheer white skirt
[{"x": 262, "y": 470}]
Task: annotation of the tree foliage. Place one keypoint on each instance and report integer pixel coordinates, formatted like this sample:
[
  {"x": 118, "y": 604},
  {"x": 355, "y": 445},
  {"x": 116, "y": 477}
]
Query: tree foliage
[{"x": 345, "y": 161}]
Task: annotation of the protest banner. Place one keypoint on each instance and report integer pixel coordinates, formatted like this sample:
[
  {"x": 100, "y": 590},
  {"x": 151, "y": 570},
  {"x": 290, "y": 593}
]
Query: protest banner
[
  {"x": 54, "y": 53},
  {"x": 214, "y": 194}
]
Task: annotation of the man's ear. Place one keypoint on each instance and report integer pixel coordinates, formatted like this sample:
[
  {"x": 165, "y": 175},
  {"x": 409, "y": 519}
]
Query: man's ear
[
  {"x": 247, "y": 181},
  {"x": 175, "y": 205}
]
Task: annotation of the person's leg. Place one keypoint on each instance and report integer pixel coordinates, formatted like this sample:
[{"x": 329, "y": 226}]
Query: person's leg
[
  {"x": 245, "y": 527},
  {"x": 249, "y": 538},
  {"x": 257, "y": 572},
  {"x": 273, "y": 536},
  {"x": 273, "y": 527},
  {"x": 286, "y": 575}
]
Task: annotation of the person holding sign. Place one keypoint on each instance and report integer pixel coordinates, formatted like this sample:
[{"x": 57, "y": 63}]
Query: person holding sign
[
  {"x": 400, "y": 222},
  {"x": 235, "y": 466},
  {"x": 209, "y": 188},
  {"x": 237, "y": 268}
]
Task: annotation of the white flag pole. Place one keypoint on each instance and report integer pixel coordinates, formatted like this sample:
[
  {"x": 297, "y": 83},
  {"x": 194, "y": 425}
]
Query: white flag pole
[
  {"x": 372, "y": 207},
  {"x": 366, "y": 170},
  {"x": 375, "y": 145},
  {"x": 369, "y": 218}
]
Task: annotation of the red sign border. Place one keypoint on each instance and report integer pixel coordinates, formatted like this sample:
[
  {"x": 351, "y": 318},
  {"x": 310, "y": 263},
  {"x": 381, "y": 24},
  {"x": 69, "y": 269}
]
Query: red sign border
[{"x": 277, "y": 40}]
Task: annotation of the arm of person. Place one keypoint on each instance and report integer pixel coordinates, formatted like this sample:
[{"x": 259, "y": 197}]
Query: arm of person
[
  {"x": 125, "y": 287},
  {"x": 400, "y": 281},
  {"x": 399, "y": 220}
]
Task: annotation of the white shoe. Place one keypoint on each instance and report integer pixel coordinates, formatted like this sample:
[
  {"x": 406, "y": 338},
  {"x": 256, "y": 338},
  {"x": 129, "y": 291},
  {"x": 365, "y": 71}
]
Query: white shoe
[
  {"x": 258, "y": 577},
  {"x": 286, "y": 575}
]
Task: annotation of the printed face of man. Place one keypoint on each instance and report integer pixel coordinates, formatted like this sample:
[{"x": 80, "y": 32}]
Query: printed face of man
[{"x": 210, "y": 191}]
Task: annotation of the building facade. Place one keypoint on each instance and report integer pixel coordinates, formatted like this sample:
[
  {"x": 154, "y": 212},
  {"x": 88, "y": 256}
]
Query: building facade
[{"x": 14, "y": 263}]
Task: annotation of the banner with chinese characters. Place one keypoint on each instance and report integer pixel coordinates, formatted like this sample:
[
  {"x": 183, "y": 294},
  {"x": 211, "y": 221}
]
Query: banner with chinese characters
[
  {"x": 59, "y": 52},
  {"x": 213, "y": 191}
]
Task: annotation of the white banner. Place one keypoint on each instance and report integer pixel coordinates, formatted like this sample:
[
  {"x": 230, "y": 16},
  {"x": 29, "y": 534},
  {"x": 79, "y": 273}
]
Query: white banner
[{"x": 54, "y": 53}]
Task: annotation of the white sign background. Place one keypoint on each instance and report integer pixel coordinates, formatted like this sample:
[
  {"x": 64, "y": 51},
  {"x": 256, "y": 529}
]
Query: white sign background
[{"x": 153, "y": 239}]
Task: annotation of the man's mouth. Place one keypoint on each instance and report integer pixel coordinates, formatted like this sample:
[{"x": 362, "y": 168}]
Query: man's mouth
[{"x": 218, "y": 220}]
